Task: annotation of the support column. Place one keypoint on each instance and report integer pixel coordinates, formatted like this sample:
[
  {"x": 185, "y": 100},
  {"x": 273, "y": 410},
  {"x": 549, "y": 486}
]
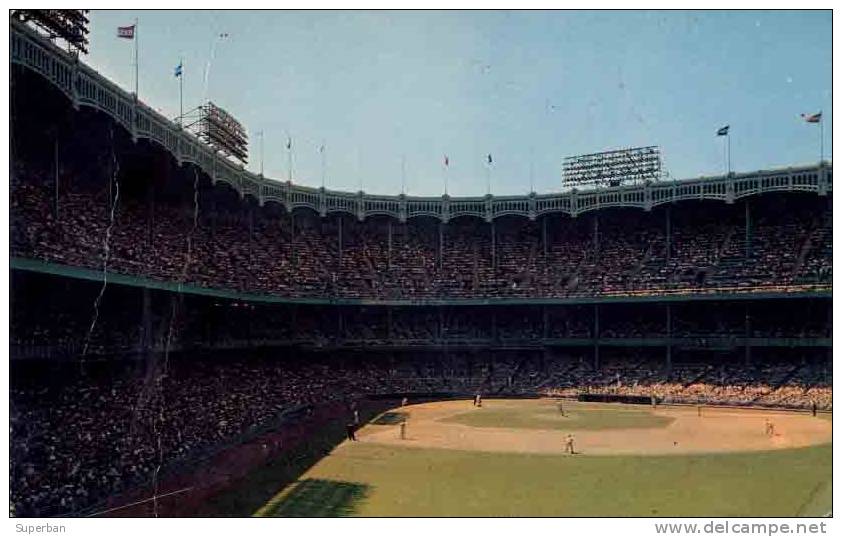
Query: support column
[
  {"x": 340, "y": 240},
  {"x": 596, "y": 336},
  {"x": 668, "y": 218},
  {"x": 747, "y": 334},
  {"x": 748, "y": 228},
  {"x": 56, "y": 179},
  {"x": 544, "y": 236},
  {"x": 251, "y": 229},
  {"x": 441, "y": 243},
  {"x": 494, "y": 325},
  {"x": 545, "y": 328},
  {"x": 212, "y": 205},
  {"x": 292, "y": 238},
  {"x": 389, "y": 322},
  {"x": 669, "y": 337},
  {"x": 493, "y": 246},
  {"x": 146, "y": 323},
  {"x": 389, "y": 257},
  {"x": 440, "y": 325},
  {"x": 829, "y": 325},
  {"x": 150, "y": 213},
  {"x": 596, "y": 235}
]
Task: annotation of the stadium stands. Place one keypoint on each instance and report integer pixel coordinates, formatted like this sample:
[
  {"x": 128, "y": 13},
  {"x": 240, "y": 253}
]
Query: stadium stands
[
  {"x": 700, "y": 301},
  {"x": 262, "y": 251}
]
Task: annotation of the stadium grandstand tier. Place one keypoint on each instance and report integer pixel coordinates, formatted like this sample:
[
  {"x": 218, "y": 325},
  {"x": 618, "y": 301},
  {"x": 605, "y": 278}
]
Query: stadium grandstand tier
[
  {"x": 235, "y": 366},
  {"x": 229, "y": 305},
  {"x": 774, "y": 242}
]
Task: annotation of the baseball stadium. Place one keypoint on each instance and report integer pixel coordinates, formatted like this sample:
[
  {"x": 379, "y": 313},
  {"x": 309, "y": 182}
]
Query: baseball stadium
[{"x": 189, "y": 338}]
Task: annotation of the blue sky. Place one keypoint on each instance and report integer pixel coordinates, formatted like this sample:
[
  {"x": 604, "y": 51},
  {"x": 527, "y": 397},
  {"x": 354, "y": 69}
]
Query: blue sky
[{"x": 530, "y": 87}]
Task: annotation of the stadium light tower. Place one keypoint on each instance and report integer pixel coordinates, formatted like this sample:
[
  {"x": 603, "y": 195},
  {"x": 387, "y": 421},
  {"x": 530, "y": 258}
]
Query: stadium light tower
[
  {"x": 220, "y": 130},
  {"x": 69, "y": 25}
]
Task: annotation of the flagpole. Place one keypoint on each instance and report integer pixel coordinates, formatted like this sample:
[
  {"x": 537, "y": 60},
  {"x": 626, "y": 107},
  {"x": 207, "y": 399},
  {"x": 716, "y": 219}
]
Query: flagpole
[
  {"x": 729, "y": 151},
  {"x": 360, "y": 168},
  {"x": 531, "y": 170},
  {"x": 324, "y": 163},
  {"x": 136, "y": 68},
  {"x": 821, "y": 135},
  {"x": 403, "y": 174},
  {"x": 181, "y": 91},
  {"x": 289, "y": 158},
  {"x": 261, "y": 153},
  {"x": 445, "y": 180}
]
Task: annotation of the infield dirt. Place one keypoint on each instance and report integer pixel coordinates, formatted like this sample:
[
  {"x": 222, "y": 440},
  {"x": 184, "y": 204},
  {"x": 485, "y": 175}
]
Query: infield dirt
[{"x": 674, "y": 430}]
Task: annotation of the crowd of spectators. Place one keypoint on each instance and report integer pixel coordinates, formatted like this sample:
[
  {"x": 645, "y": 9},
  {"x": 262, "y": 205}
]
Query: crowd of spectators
[
  {"x": 78, "y": 437},
  {"x": 237, "y": 245},
  {"x": 783, "y": 385},
  {"x": 83, "y": 431}
]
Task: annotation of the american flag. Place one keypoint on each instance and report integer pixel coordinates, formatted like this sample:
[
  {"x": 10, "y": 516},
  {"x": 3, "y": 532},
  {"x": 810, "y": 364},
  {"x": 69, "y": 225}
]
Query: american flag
[
  {"x": 125, "y": 32},
  {"x": 812, "y": 118}
]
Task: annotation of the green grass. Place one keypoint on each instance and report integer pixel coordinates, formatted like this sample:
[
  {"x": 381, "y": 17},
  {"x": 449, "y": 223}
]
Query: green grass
[
  {"x": 546, "y": 415},
  {"x": 378, "y": 480}
]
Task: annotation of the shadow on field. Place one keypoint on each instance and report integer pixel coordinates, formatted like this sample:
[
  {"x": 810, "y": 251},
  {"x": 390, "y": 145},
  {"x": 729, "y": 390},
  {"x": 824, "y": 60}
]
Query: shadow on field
[
  {"x": 252, "y": 492},
  {"x": 319, "y": 498},
  {"x": 390, "y": 418}
]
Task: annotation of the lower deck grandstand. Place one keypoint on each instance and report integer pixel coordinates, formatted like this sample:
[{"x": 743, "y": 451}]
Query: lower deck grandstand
[{"x": 84, "y": 426}]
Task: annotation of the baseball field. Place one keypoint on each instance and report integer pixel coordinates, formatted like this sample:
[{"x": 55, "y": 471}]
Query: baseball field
[{"x": 508, "y": 458}]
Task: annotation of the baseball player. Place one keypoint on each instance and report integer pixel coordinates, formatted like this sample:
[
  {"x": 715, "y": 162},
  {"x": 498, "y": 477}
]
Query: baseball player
[
  {"x": 568, "y": 446},
  {"x": 770, "y": 428}
]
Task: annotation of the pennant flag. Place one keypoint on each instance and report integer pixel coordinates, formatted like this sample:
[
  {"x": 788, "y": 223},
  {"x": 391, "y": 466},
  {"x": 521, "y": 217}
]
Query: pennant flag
[
  {"x": 446, "y": 161},
  {"x": 322, "y": 148},
  {"x": 489, "y": 159},
  {"x": 178, "y": 70},
  {"x": 723, "y": 131},
  {"x": 125, "y": 32},
  {"x": 812, "y": 118},
  {"x": 289, "y": 143}
]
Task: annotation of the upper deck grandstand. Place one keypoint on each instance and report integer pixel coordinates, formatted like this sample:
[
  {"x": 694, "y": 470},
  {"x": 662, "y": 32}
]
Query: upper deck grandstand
[{"x": 760, "y": 231}]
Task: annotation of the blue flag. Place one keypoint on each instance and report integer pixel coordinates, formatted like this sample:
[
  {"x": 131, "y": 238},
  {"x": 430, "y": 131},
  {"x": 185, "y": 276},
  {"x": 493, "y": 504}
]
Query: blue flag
[
  {"x": 723, "y": 131},
  {"x": 178, "y": 70}
]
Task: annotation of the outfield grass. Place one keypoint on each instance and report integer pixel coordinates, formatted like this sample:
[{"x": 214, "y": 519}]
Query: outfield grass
[
  {"x": 378, "y": 480},
  {"x": 577, "y": 416}
]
